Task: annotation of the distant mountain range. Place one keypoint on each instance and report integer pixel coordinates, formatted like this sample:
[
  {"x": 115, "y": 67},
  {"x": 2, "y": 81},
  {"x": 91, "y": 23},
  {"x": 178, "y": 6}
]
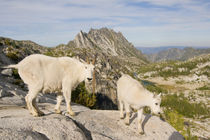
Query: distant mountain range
[
  {"x": 173, "y": 53},
  {"x": 152, "y": 50}
]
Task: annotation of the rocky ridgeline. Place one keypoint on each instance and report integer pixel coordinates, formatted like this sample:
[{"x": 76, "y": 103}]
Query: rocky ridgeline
[
  {"x": 114, "y": 54},
  {"x": 17, "y": 50},
  {"x": 107, "y": 41}
]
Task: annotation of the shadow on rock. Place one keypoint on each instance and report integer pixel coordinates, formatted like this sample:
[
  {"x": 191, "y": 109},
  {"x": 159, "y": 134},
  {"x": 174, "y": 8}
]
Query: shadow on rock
[
  {"x": 133, "y": 117},
  {"x": 147, "y": 117},
  {"x": 176, "y": 136},
  {"x": 105, "y": 103}
]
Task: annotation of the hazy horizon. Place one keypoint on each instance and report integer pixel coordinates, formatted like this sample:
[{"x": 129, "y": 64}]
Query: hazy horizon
[{"x": 147, "y": 23}]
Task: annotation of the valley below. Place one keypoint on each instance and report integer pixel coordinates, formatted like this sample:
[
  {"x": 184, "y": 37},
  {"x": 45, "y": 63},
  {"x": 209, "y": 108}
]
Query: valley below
[{"x": 185, "y": 86}]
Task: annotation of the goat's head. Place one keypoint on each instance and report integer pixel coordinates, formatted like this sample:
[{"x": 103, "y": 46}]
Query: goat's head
[
  {"x": 89, "y": 68},
  {"x": 155, "y": 104}
]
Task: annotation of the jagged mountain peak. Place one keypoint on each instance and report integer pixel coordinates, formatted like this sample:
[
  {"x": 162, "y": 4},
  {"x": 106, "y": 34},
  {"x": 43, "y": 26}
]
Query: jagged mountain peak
[{"x": 106, "y": 41}]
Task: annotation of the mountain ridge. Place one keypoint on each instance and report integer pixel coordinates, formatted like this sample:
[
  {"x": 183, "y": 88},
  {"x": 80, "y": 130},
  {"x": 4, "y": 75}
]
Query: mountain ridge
[
  {"x": 152, "y": 50},
  {"x": 181, "y": 54}
]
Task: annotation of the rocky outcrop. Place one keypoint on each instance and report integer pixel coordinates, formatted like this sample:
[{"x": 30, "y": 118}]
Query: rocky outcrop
[{"x": 17, "y": 123}]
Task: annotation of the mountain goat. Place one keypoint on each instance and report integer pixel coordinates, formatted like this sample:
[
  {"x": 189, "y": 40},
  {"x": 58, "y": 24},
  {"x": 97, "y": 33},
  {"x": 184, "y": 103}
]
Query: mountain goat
[
  {"x": 52, "y": 74},
  {"x": 132, "y": 94}
]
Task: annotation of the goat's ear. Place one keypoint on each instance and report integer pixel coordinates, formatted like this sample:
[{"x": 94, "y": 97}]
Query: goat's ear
[{"x": 159, "y": 95}]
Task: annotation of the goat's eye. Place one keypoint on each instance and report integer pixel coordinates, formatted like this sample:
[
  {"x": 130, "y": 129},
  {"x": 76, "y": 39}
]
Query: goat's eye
[{"x": 156, "y": 103}]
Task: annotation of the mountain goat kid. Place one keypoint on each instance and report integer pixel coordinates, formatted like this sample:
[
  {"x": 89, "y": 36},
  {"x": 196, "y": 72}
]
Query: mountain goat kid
[
  {"x": 132, "y": 94},
  {"x": 52, "y": 74}
]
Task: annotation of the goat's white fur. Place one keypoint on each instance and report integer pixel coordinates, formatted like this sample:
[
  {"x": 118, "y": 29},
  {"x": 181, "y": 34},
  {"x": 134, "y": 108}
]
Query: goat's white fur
[
  {"x": 51, "y": 74},
  {"x": 132, "y": 94}
]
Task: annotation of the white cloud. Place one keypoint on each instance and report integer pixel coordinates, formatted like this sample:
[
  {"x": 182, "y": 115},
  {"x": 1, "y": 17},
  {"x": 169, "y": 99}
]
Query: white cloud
[{"x": 47, "y": 20}]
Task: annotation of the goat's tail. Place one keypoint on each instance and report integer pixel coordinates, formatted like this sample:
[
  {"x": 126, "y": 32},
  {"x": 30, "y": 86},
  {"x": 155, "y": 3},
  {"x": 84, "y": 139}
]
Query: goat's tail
[{"x": 10, "y": 66}]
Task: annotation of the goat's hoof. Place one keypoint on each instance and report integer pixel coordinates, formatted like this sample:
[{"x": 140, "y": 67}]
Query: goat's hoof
[
  {"x": 35, "y": 114},
  {"x": 121, "y": 117},
  {"x": 72, "y": 113},
  {"x": 127, "y": 123},
  {"x": 38, "y": 114},
  {"x": 141, "y": 132},
  {"x": 41, "y": 113},
  {"x": 57, "y": 111}
]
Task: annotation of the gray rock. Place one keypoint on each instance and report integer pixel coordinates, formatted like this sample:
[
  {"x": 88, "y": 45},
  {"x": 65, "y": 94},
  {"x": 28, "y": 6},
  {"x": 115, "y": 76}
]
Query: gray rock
[
  {"x": 9, "y": 134},
  {"x": 4, "y": 93},
  {"x": 17, "y": 123},
  {"x": 107, "y": 124},
  {"x": 7, "y": 72}
]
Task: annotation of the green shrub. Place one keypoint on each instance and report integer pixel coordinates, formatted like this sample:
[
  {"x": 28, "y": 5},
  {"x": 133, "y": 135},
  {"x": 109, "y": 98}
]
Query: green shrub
[
  {"x": 206, "y": 87},
  {"x": 7, "y": 42},
  {"x": 81, "y": 96},
  {"x": 180, "y": 82},
  {"x": 177, "y": 121},
  {"x": 147, "y": 68},
  {"x": 184, "y": 107},
  {"x": 49, "y": 53},
  {"x": 152, "y": 87},
  {"x": 15, "y": 74},
  {"x": 173, "y": 72},
  {"x": 189, "y": 135},
  {"x": 12, "y": 55}
]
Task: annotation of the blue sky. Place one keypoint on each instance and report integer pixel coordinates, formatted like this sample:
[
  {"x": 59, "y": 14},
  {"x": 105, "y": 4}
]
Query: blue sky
[{"x": 146, "y": 23}]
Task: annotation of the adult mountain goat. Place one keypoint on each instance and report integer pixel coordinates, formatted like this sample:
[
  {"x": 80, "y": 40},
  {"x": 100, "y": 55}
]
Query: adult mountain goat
[
  {"x": 52, "y": 74},
  {"x": 132, "y": 94}
]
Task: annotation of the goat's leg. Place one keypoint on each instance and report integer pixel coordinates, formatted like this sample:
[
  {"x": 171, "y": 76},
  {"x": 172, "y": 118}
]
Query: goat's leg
[
  {"x": 127, "y": 110},
  {"x": 67, "y": 96},
  {"x": 57, "y": 106},
  {"x": 27, "y": 103},
  {"x": 140, "y": 112},
  {"x": 36, "y": 107},
  {"x": 121, "y": 109},
  {"x": 30, "y": 99}
]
